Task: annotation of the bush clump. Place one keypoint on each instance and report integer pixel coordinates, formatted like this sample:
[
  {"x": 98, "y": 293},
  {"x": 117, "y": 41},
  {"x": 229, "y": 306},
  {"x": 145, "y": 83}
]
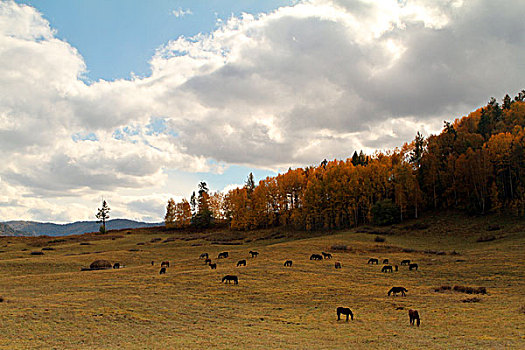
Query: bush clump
[
  {"x": 470, "y": 290},
  {"x": 379, "y": 239},
  {"x": 339, "y": 248}
]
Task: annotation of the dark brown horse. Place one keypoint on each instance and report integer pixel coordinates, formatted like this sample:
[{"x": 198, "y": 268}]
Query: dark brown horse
[
  {"x": 204, "y": 256},
  {"x": 385, "y": 261},
  {"x": 222, "y": 255},
  {"x": 229, "y": 278},
  {"x": 207, "y": 261},
  {"x": 387, "y": 268},
  {"x": 344, "y": 311},
  {"x": 373, "y": 261},
  {"x": 165, "y": 264},
  {"x": 241, "y": 263},
  {"x": 254, "y": 254},
  {"x": 412, "y": 267},
  {"x": 326, "y": 255},
  {"x": 414, "y": 316},
  {"x": 337, "y": 265},
  {"x": 288, "y": 263},
  {"x": 213, "y": 266},
  {"x": 162, "y": 271},
  {"x": 405, "y": 262},
  {"x": 395, "y": 290},
  {"x": 316, "y": 257}
]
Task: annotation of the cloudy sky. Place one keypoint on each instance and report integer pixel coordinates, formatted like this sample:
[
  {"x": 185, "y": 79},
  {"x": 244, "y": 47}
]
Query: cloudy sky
[{"x": 138, "y": 101}]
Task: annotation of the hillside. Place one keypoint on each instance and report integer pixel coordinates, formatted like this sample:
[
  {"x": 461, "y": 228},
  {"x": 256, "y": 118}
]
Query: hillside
[
  {"x": 6, "y": 230},
  {"x": 50, "y": 303},
  {"x": 32, "y": 228}
]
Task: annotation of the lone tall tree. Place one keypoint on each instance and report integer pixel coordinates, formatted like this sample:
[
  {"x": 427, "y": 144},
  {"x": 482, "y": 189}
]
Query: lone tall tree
[{"x": 103, "y": 215}]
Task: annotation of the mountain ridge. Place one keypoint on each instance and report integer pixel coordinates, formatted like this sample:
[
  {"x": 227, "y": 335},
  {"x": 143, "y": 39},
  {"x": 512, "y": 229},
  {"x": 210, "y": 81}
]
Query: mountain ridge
[{"x": 35, "y": 228}]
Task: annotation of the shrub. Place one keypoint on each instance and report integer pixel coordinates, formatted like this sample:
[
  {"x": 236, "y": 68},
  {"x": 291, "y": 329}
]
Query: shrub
[
  {"x": 442, "y": 288},
  {"x": 470, "y": 290},
  {"x": 37, "y": 253},
  {"x": 471, "y": 300},
  {"x": 379, "y": 239},
  {"x": 102, "y": 229},
  {"x": 339, "y": 247},
  {"x": 486, "y": 239},
  {"x": 385, "y": 213}
]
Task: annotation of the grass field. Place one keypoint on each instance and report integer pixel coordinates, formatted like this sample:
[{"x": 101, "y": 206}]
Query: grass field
[{"x": 50, "y": 303}]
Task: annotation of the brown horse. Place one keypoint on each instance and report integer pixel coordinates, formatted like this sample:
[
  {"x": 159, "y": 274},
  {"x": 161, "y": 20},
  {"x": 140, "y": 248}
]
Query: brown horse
[
  {"x": 162, "y": 271},
  {"x": 387, "y": 268},
  {"x": 412, "y": 267},
  {"x": 326, "y": 255},
  {"x": 288, "y": 263},
  {"x": 405, "y": 262},
  {"x": 207, "y": 261},
  {"x": 254, "y": 254},
  {"x": 337, "y": 265},
  {"x": 213, "y": 266},
  {"x": 165, "y": 264},
  {"x": 222, "y": 255},
  {"x": 396, "y": 290},
  {"x": 414, "y": 316},
  {"x": 373, "y": 261},
  {"x": 229, "y": 278},
  {"x": 241, "y": 263},
  {"x": 385, "y": 261},
  {"x": 344, "y": 311},
  {"x": 204, "y": 256},
  {"x": 316, "y": 257}
]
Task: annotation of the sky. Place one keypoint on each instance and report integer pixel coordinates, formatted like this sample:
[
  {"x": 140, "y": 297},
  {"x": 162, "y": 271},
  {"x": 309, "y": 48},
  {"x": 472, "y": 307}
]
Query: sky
[{"x": 137, "y": 102}]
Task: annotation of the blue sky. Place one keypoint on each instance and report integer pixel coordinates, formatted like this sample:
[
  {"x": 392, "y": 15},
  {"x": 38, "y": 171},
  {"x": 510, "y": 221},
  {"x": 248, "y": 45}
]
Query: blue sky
[
  {"x": 118, "y": 37},
  {"x": 139, "y": 101}
]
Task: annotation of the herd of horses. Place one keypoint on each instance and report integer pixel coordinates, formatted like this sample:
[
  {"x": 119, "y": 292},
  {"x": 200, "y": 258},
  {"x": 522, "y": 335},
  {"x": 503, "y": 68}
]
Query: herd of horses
[{"x": 413, "y": 314}]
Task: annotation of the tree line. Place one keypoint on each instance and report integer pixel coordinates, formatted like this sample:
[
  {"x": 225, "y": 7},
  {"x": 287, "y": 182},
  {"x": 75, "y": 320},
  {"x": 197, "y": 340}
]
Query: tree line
[{"x": 475, "y": 164}]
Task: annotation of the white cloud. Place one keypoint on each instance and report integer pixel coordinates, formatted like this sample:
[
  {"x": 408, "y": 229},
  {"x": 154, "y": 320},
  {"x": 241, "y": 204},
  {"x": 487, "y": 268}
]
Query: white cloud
[
  {"x": 315, "y": 80},
  {"x": 181, "y": 13}
]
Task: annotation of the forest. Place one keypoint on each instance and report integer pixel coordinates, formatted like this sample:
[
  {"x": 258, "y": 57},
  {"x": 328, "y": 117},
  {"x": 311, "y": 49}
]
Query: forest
[{"x": 476, "y": 165}]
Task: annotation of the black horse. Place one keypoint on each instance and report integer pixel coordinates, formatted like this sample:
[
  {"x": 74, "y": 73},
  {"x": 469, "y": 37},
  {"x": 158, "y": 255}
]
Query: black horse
[
  {"x": 316, "y": 257},
  {"x": 222, "y": 255},
  {"x": 213, "y": 266},
  {"x": 344, "y": 311},
  {"x": 373, "y": 261},
  {"x": 385, "y": 261},
  {"x": 162, "y": 271},
  {"x": 241, "y": 263},
  {"x": 207, "y": 261},
  {"x": 396, "y": 290},
  {"x": 254, "y": 254},
  {"x": 116, "y": 266},
  {"x": 326, "y": 255},
  {"x": 152, "y": 263},
  {"x": 412, "y": 267},
  {"x": 288, "y": 263},
  {"x": 204, "y": 256},
  {"x": 337, "y": 265},
  {"x": 229, "y": 278},
  {"x": 165, "y": 264},
  {"x": 387, "y": 268},
  {"x": 405, "y": 262},
  {"x": 414, "y": 316}
]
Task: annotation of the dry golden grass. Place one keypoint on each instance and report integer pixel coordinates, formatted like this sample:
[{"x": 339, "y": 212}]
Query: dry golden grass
[{"x": 49, "y": 303}]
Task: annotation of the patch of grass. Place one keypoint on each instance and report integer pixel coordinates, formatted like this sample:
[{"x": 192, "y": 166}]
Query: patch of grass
[
  {"x": 471, "y": 300},
  {"x": 486, "y": 239},
  {"x": 470, "y": 290}
]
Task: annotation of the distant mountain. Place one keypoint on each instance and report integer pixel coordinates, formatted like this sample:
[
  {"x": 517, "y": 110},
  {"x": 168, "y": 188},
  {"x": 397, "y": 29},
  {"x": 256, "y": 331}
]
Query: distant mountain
[
  {"x": 6, "y": 230},
  {"x": 33, "y": 228}
]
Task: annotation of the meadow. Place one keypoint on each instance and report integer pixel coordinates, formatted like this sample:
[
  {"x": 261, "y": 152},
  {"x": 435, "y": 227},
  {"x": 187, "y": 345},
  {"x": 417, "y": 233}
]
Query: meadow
[{"x": 48, "y": 303}]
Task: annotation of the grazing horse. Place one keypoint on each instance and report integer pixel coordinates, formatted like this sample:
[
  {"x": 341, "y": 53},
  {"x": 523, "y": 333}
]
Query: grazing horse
[
  {"x": 222, "y": 255},
  {"x": 385, "y": 261},
  {"x": 204, "y": 256},
  {"x": 162, "y": 270},
  {"x": 345, "y": 311},
  {"x": 414, "y": 316},
  {"x": 229, "y": 278},
  {"x": 241, "y": 263},
  {"x": 396, "y": 267},
  {"x": 116, "y": 266},
  {"x": 288, "y": 263},
  {"x": 405, "y": 262},
  {"x": 152, "y": 263},
  {"x": 165, "y": 264},
  {"x": 326, "y": 255},
  {"x": 337, "y": 265},
  {"x": 316, "y": 257},
  {"x": 396, "y": 290},
  {"x": 412, "y": 267},
  {"x": 387, "y": 268},
  {"x": 373, "y": 261},
  {"x": 207, "y": 261},
  {"x": 213, "y": 266},
  {"x": 254, "y": 254}
]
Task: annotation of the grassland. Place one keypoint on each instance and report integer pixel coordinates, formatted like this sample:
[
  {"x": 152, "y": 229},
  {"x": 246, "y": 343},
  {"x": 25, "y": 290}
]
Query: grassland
[{"x": 49, "y": 303}]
